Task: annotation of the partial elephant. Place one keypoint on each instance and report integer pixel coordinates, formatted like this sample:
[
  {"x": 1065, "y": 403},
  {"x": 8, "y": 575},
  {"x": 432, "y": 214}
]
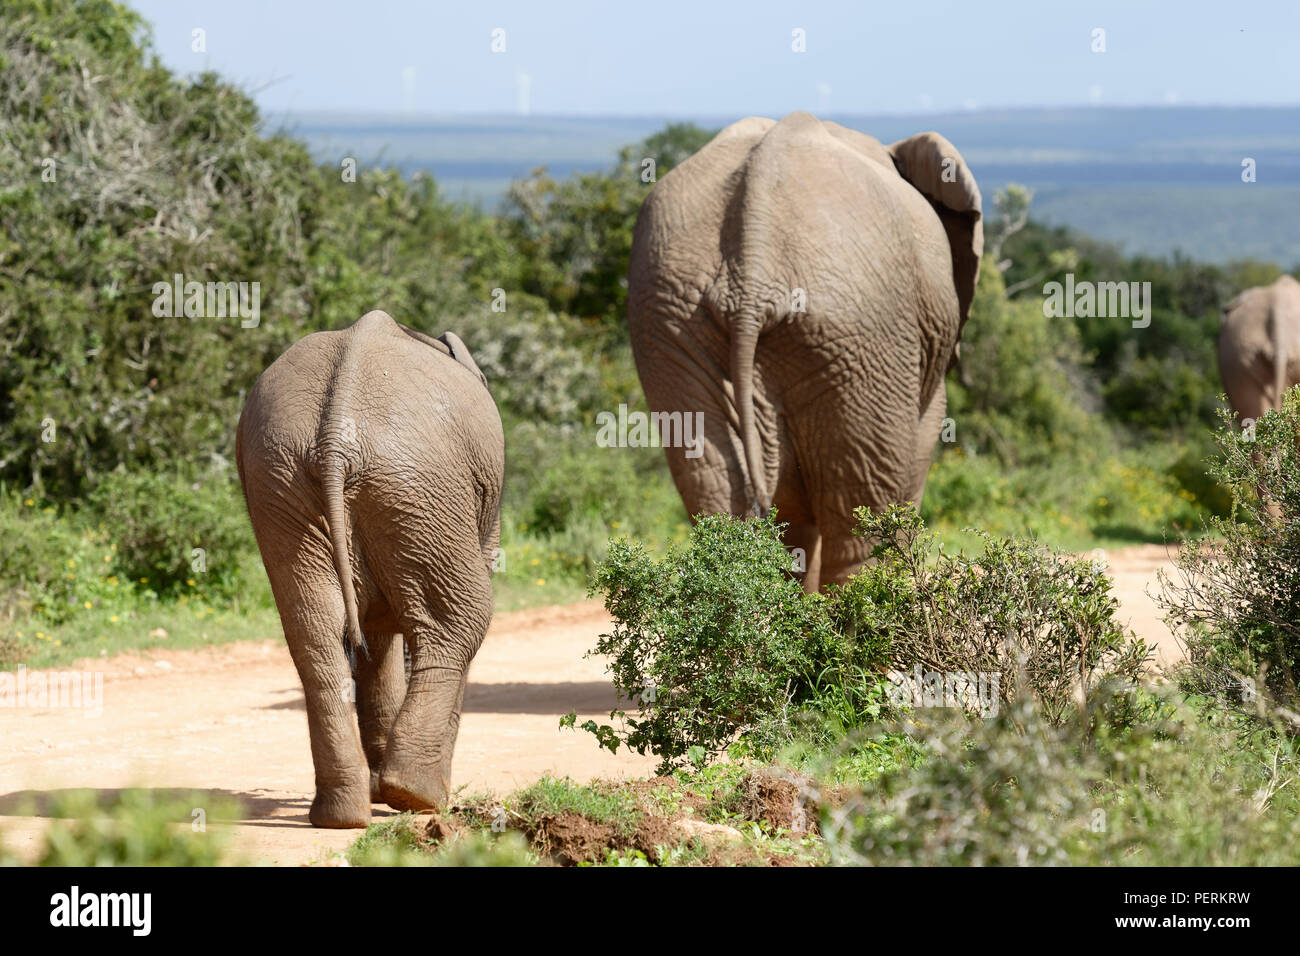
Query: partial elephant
[
  {"x": 804, "y": 287},
  {"x": 372, "y": 461},
  {"x": 1259, "y": 347}
]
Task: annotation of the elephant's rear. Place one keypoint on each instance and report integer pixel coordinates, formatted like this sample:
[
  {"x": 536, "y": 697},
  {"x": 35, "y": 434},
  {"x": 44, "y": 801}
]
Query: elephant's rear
[
  {"x": 373, "y": 459},
  {"x": 805, "y": 287},
  {"x": 1259, "y": 346}
]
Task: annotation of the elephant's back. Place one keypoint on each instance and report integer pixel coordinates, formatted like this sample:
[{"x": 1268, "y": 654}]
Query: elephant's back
[
  {"x": 391, "y": 398},
  {"x": 1254, "y": 325},
  {"x": 767, "y": 208}
]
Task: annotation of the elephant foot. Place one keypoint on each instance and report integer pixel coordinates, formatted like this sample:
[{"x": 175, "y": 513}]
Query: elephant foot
[
  {"x": 402, "y": 788},
  {"x": 339, "y": 808},
  {"x": 376, "y": 790}
]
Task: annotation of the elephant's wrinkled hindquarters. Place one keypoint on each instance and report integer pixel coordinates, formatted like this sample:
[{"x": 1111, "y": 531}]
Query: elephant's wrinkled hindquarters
[
  {"x": 372, "y": 464},
  {"x": 800, "y": 289}
]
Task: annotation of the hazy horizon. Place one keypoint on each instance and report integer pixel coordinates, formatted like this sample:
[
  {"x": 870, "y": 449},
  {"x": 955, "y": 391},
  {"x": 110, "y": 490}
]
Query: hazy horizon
[
  {"x": 590, "y": 59},
  {"x": 1167, "y": 181}
]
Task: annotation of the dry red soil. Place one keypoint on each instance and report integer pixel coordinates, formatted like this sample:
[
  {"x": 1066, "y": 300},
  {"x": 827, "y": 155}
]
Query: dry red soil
[{"x": 230, "y": 721}]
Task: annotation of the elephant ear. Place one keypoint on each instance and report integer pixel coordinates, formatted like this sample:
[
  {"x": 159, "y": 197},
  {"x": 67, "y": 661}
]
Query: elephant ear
[
  {"x": 935, "y": 168},
  {"x": 460, "y": 352}
]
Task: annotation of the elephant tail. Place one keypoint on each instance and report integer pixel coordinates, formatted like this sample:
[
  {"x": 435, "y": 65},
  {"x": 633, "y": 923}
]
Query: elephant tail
[
  {"x": 744, "y": 343},
  {"x": 332, "y": 475},
  {"x": 336, "y": 445}
]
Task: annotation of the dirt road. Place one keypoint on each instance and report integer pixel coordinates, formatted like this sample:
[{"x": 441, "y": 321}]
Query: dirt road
[{"x": 231, "y": 721}]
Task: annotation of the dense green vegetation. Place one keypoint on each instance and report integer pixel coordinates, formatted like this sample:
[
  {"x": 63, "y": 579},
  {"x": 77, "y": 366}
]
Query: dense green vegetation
[
  {"x": 119, "y": 501},
  {"x": 715, "y": 644},
  {"x": 944, "y": 709}
]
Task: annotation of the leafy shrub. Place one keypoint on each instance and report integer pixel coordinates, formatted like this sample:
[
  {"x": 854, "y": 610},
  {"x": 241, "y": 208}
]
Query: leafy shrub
[
  {"x": 156, "y": 175},
  {"x": 1164, "y": 393},
  {"x": 533, "y": 362},
  {"x": 574, "y": 237},
  {"x": 1018, "y": 393},
  {"x": 713, "y": 639},
  {"x": 478, "y": 848},
  {"x": 1236, "y": 593},
  {"x": 1037, "y": 620},
  {"x": 992, "y": 792},
  {"x": 1169, "y": 788},
  {"x": 48, "y": 564},
  {"x": 1073, "y": 503},
  {"x": 563, "y": 477},
  {"x": 406, "y": 841},
  {"x": 1128, "y": 498},
  {"x": 136, "y": 828},
  {"x": 169, "y": 531},
  {"x": 717, "y": 641}
]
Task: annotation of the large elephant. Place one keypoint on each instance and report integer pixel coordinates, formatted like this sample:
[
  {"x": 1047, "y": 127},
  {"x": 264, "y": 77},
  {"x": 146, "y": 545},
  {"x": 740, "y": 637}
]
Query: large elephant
[
  {"x": 804, "y": 287},
  {"x": 1259, "y": 347},
  {"x": 372, "y": 460}
]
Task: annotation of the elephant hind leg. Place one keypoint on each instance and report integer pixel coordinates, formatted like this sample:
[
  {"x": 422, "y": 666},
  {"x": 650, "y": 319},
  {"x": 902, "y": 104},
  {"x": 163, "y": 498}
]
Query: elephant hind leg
[
  {"x": 313, "y": 627},
  {"x": 842, "y": 552},
  {"x": 381, "y": 688},
  {"x": 444, "y": 631}
]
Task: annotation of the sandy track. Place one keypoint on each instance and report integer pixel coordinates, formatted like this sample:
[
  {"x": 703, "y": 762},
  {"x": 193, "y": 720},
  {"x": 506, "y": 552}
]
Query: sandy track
[{"x": 231, "y": 721}]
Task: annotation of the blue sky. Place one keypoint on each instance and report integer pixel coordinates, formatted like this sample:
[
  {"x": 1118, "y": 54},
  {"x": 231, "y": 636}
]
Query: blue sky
[{"x": 703, "y": 58}]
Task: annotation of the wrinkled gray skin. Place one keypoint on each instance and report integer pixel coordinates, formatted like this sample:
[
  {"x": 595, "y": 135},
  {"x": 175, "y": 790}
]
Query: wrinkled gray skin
[
  {"x": 1259, "y": 347},
  {"x": 813, "y": 412},
  {"x": 372, "y": 462}
]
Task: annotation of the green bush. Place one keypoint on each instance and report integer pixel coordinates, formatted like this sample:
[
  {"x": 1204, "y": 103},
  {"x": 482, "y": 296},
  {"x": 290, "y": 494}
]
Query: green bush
[
  {"x": 1074, "y": 503},
  {"x": 405, "y": 842},
  {"x": 171, "y": 533},
  {"x": 115, "y": 186},
  {"x": 1035, "y": 620},
  {"x": 563, "y": 477},
  {"x": 574, "y": 237},
  {"x": 478, "y": 848},
  {"x": 717, "y": 641},
  {"x": 1236, "y": 594},
  {"x": 535, "y": 362},
  {"x": 1018, "y": 393},
  {"x": 565, "y": 498},
  {"x": 714, "y": 639},
  {"x": 137, "y": 828},
  {"x": 49, "y": 565},
  {"x": 1132, "y": 496},
  {"x": 1168, "y": 789}
]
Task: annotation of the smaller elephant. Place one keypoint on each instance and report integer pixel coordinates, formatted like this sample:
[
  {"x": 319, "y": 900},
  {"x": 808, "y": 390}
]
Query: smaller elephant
[
  {"x": 372, "y": 461},
  {"x": 1259, "y": 347}
]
